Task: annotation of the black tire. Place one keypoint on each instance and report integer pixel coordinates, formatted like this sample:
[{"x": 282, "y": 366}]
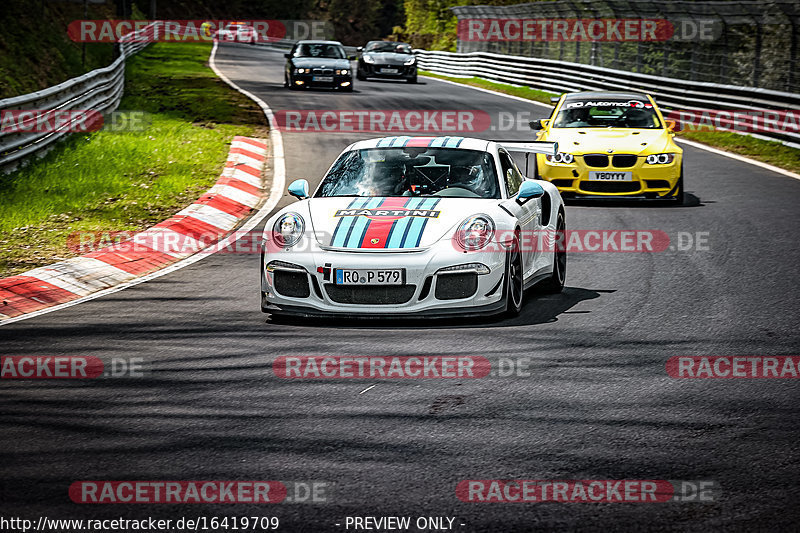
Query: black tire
[
  {"x": 412, "y": 80},
  {"x": 360, "y": 76},
  {"x": 555, "y": 283},
  {"x": 263, "y": 294},
  {"x": 515, "y": 282},
  {"x": 292, "y": 86},
  {"x": 680, "y": 196}
]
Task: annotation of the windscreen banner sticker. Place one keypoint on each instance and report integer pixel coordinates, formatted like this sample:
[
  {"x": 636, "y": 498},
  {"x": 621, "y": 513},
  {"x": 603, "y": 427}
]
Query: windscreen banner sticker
[{"x": 617, "y": 103}]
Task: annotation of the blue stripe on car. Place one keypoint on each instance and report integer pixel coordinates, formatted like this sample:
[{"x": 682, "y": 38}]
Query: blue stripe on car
[
  {"x": 345, "y": 225},
  {"x": 359, "y": 228}
]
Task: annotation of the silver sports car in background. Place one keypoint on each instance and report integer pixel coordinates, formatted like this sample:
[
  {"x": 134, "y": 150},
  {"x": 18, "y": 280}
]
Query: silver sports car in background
[{"x": 387, "y": 59}]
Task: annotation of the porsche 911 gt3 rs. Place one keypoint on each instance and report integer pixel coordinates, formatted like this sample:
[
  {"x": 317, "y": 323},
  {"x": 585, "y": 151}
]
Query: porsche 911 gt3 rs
[
  {"x": 414, "y": 226},
  {"x": 613, "y": 145}
]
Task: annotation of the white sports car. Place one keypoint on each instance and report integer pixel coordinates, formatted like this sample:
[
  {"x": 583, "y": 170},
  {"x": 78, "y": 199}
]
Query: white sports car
[{"x": 415, "y": 226}]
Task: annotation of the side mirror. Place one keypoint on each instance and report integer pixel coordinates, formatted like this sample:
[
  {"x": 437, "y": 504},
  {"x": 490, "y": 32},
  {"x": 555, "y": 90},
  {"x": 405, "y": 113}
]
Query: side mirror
[
  {"x": 538, "y": 124},
  {"x": 554, "y": 99},
  {"x": 287, "y": 55},
  {"x": 298, "y": 189},
  {"x": 360, "y": 49},
  {"x": 530, "y": 189},
  {"x": 672, "y": 125},
  {"x": 351, "y": 58}
]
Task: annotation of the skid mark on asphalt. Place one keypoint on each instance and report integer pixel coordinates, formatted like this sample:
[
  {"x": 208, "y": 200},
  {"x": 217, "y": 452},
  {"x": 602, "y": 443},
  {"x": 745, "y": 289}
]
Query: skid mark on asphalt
[{"x": 446, "y": 403}]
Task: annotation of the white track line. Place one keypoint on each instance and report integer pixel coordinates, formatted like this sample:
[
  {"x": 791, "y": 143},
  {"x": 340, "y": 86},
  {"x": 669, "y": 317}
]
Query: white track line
[
  {"x": 276, "y": 191},
  {"x": 693, "y": 144},
  {"x": 521, "y": 99},
  {"x": 739, "y": 158}
]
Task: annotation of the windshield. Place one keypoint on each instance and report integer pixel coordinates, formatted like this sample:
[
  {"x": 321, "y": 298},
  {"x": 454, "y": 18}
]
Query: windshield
[
  {"x": 333, "y": 51},
  {"x": 412, "y": 172},
  {"x": 387, "y": 46},
  {"x": 607, "y": 113}
]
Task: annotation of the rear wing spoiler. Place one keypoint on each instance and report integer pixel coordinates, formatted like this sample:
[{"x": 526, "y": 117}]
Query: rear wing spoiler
[{"x": 530, "y": 147}]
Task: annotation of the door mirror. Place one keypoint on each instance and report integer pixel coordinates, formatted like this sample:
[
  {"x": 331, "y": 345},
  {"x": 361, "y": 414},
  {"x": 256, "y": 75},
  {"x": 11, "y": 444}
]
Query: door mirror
[
  {"x": 530, "y": 189},
  {"x": 672, "y": 125},
  {"x": 287, "y": 55},
  {"x": 352, "y": 58},
  {"x": 538, "y": 124},
  {"x": 298, "y": 189},
  {"x": 554, "y": 99},
  {"x": 360, "y": 49}
]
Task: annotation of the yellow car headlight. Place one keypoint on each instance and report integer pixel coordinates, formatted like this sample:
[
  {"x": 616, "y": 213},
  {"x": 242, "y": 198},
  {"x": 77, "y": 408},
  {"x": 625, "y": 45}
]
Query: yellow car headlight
[
  {"x": 660, "y": 159},
  {"x": 560, "y": 157}
]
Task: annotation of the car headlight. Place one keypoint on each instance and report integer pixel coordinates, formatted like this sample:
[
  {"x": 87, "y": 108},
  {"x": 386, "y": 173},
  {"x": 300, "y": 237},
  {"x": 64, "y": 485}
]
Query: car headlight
[
  {"x": 560, "y": 157},
  {"x": 302, "y": 70},
  {"x": 368, "y": 59},
  {"x": 478, "y": 268},
  {"x": 288, "y": 229},
  {"x": 660, "y": 159},
  {"x": 475, "y": 232},
  {"x": 410, "y": 61},
  {"x": 343, "y": 71}
]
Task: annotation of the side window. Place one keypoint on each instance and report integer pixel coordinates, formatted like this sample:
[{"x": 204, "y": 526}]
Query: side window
[{"x": 511, "y": 175}]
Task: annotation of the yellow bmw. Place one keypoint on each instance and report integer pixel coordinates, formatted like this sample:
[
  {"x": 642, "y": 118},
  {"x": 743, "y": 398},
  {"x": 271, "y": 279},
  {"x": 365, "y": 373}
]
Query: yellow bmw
[{"x": 612, "y": 145}]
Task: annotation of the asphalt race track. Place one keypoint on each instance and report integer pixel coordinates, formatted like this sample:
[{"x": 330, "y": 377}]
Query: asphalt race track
[{"x": 598, "y": 403}]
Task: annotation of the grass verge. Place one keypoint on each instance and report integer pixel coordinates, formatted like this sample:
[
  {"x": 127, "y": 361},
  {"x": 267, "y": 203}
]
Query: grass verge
[
  {"x": 128, "y": 180},
  {"x": 771, "y": 152}
]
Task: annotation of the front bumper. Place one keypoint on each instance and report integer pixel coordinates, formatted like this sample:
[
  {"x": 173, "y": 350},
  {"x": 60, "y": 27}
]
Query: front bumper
[
  {"x": 651, "y": 182},
  {"x": 372, "y": 70},
  {"x": 427, "y": 292},
  {"x": 338, "y": 80}
]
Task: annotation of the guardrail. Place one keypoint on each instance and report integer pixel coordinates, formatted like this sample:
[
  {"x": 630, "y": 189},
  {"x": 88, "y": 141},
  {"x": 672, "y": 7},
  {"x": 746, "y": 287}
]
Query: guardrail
[
  {"x": 560, "y": 76},
  {"x": 99, "y": 91}
]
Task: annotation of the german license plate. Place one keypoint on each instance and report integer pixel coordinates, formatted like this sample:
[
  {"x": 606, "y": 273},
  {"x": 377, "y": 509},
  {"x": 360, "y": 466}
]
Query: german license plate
[
  {"x": 323, "y": 78},
  {"x": 602, "y": 175},
  {"x": 364, "y": 276},
  {"x": 389, "y": 71}
]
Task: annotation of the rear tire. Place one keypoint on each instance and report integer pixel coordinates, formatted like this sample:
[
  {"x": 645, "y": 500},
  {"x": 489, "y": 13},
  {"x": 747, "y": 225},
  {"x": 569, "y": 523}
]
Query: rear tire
[
  {"x": 412, "y": 80},
  {"x": 555, "y": 283},
  {"x": 515, "y": 282}
]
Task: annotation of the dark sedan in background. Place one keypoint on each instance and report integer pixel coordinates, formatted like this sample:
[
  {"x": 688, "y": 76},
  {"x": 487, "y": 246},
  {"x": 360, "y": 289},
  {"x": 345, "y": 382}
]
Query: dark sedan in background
[
  {"x": 318, "y": 64},
  {"x": 387, "y": 59}
]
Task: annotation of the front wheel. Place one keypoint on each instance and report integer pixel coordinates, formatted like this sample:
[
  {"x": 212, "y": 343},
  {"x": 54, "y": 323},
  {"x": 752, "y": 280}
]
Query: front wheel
[
  {"x": 680, "y": 197},
  {"x": 412, "y": 80},
  {"x": 515, "y": 284},
  {"x": 555, "y": 283}
]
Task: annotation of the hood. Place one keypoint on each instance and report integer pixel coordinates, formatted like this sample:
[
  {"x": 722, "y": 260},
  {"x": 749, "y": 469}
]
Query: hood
[
  {"x": 601, "y": 140},
  {"x": 393, "y": 223},
  {"x": 388, "y": 58},
  {"x": 320, "y": 62}
]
